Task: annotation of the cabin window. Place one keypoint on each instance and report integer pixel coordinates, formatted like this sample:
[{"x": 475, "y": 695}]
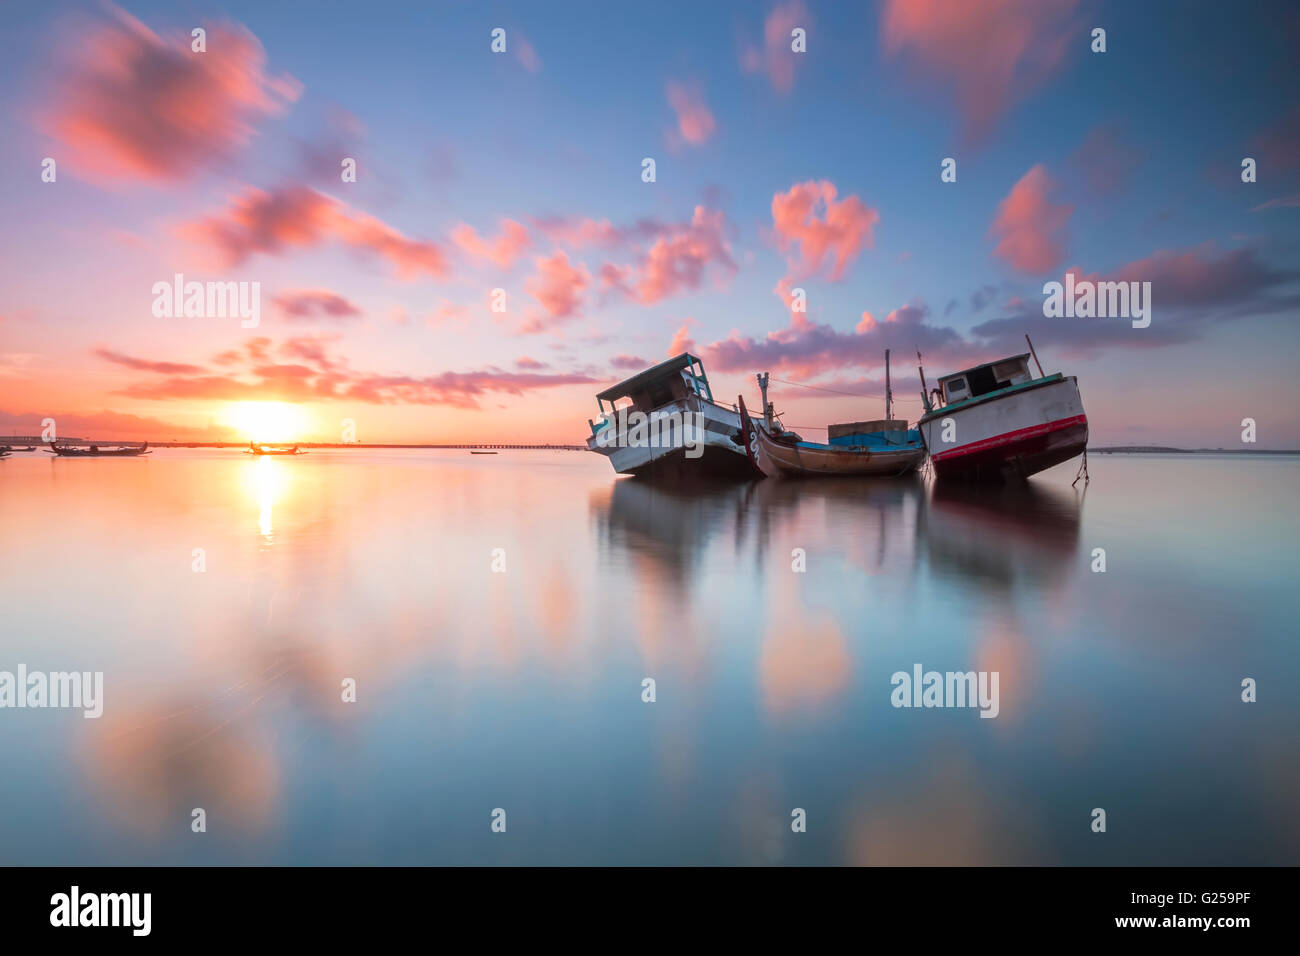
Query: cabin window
[{"x": 956, "y": 387}]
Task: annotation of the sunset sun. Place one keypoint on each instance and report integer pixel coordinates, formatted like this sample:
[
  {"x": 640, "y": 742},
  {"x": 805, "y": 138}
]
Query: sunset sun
[{"x": 267, "y": 421}]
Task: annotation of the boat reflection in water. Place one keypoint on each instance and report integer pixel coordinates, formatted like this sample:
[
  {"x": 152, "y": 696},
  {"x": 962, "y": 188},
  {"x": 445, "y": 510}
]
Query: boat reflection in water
[
  {"x": 1002, "y": 536},
  {"x": 770, "y": 614},
  {"x": 673, "y": 525}
]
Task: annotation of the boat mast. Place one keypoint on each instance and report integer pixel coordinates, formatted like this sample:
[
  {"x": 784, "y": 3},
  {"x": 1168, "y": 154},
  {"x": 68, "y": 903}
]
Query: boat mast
[
  {"x": 889, "y": 394},
  {"x": 925, "y": 398},
  {"x": 767, "y": 409}
]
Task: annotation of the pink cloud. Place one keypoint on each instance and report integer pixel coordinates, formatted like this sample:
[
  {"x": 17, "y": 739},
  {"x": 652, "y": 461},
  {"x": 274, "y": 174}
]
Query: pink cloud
[
  {"x": 776, "y": 59},
  {"x": 808, "y": 348},
  {"x": 559, "y": 287},
  {"x": 298, "y": 216},
  {"x": 1282, "y": 202},
  {"x": 446, "y": 311},
  {"x": 1029, "y": 227},
  {"x": 132, "y": 105},
  {"x": 526, "y": 53},
  {"x": 613, "y": 278},
  {"x": 302, "y": 304},
  {"x": 528, "y": 364},
  {"x": 320, "y": 375},
  {"x": 695, "y": 123},
  {"x": 809, "y": 216},
  {"x": 678, "y": 259},
  {"x": 628, "y": 362},
  {"x": 503, "y": 250},
  {"x": 313, "y": 349},
  {"x": 682, "y": 341},
  {"x": 671, "y": 257},
  {"x": 144, "y": 365},
  {"x": 581, "y": 232},
  {"x": 1199, "y": 276},
  {"x": 988, "y": 54},
  {"x": 1190, "y": 290}
]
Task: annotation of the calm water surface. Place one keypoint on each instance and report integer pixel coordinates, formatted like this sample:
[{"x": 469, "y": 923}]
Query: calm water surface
[{"x": 522, "y": 690}]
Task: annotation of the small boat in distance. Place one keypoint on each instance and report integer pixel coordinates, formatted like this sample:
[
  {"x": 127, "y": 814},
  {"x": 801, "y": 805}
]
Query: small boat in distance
[
  {"x": 6, "y": 449},
  {"x": 996, "y": 421},
  {"x": 97, "y": 451},
  {"x": 472, "y": 452},
  {"x": 885, "y": 447},
  {"x": 255, "y": 449}
]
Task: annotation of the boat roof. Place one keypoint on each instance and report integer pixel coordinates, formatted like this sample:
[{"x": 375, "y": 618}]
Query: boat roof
[
  {"x": 642, "y": 379},
  {"x": 1009, "y": 358}
]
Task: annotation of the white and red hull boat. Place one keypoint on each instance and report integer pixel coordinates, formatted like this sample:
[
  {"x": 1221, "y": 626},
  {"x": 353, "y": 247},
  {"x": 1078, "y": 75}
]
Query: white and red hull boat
[
  {"x": 671, "y": 429},
  {"x": 997, "y": 422}
]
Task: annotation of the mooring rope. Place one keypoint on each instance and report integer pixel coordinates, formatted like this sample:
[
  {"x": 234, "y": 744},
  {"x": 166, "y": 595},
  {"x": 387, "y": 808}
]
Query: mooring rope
[
  {"x": 822, "y": 388},
  {"x": 835, "y": 391}
]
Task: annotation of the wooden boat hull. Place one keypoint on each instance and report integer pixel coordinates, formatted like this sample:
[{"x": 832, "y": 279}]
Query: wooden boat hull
[
  {"x": 1010, "y": 437},
  {"x": 805, "y": 459},
  {"x": 68, "y": 452}
]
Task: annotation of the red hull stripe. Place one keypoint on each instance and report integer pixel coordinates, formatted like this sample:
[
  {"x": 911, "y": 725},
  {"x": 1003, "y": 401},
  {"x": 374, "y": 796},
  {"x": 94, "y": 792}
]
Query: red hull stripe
[{"x": 1033, "y": 431}]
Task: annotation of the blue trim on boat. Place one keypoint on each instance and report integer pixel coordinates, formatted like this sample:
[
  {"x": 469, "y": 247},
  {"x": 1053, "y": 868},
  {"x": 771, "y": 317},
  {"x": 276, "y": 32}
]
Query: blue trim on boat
[{"x": 869, "y": 441}]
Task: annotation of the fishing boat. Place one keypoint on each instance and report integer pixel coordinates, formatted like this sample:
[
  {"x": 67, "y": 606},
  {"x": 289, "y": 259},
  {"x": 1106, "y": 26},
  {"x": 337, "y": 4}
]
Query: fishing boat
[
  {"x": 254, "y": 449},
  {"x": 671, "y": 428},
  {"x": 884, "y": 447},
  {"x": 997, "y": 421},
  {"x": 6, "y": 449},
  {"x": 98, "y": 451},
  {"x": 472, "y": 452}
]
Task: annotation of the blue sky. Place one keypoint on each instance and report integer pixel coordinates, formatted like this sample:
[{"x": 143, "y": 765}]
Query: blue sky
[{"x": 446, "y": 133}]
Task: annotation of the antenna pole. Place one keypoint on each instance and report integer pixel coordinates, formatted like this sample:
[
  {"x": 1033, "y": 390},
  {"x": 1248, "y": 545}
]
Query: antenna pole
[
  {"x": 1035, "y": 355},
  {"x": 767, "y": 409}
]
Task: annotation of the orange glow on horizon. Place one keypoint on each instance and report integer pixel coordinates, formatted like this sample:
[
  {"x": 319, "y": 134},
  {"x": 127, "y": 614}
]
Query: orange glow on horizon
[{"x": 267, "y": 421}]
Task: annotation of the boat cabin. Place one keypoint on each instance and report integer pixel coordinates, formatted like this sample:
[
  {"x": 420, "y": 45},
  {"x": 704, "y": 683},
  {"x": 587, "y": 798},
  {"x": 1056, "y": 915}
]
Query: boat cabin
[
  {"x": 675, "y": 380},
  {"x": 982, "y": 379}
]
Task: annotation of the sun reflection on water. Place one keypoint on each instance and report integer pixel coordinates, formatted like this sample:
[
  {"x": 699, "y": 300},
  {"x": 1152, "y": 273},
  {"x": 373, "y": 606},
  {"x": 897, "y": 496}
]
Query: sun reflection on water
[{"x": 269, "y": 481}]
